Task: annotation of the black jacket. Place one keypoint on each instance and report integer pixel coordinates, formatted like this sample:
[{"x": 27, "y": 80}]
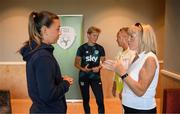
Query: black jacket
[{"x": 46, "y": 87}]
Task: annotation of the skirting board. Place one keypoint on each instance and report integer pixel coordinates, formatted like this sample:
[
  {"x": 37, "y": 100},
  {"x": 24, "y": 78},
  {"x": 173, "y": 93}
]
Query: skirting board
[{"x": 74, "y": 100}]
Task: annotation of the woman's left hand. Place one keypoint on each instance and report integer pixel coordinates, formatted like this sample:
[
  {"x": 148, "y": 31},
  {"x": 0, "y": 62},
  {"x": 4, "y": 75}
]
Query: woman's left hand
[
  {"x": 69, "y": 79},
  {"x": 96, "y": 69}
]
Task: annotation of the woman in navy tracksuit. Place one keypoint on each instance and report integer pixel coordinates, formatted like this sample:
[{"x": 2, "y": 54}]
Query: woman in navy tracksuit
[
  {"x": 88, "y": 58},
  {"x": 46, "y": 86}
]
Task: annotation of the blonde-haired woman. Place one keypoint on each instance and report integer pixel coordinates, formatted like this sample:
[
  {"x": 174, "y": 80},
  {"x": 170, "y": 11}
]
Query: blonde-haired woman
[
  {"x": 141, "y": 78},
  {"x": 88, "y": 58}
]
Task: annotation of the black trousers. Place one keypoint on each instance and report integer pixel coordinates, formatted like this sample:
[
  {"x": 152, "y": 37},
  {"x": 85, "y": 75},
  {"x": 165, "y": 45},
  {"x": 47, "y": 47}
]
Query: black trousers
[
  {"x": 128, "y": 110},
  {"x": 96, "y": 86}
]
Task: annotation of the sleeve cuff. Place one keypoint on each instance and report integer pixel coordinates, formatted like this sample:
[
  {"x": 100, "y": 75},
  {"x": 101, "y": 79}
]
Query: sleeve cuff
[{"x": 66, "y": 85}]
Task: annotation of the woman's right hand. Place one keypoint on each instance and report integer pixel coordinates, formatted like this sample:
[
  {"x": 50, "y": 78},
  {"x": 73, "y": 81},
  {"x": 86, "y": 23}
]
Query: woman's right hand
[{"x": 69, "y": 79}]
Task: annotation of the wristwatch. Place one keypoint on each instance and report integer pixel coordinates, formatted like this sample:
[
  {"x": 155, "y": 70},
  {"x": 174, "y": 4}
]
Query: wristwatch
[{"x": 124, "y": 76}]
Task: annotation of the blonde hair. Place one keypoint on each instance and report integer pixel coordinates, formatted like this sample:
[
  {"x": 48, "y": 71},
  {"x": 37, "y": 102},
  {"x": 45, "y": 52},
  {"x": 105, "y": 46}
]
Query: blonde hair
[
  {"x": 93, "y": 29},
  {"x": 125, "y": 29},
  {"x": 148, "y": 41}
]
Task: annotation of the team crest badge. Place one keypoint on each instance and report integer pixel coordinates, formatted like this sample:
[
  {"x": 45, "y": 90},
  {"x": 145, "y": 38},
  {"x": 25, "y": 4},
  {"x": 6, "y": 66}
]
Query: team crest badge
[
  {"x": 96, "y": 52},
  {"x": 67, "y": 37}
]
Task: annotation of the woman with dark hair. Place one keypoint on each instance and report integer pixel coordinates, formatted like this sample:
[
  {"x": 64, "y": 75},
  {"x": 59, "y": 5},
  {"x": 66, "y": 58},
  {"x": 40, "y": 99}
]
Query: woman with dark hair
[{"x": 46, "y": 86}]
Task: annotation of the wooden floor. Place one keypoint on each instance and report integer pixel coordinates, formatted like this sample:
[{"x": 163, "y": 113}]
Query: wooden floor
[{"x": 112, "y": 106}]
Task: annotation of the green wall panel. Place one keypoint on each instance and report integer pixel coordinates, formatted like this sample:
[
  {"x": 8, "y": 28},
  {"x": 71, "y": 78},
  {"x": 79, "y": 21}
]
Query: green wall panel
[{"x": 65, "y": 55}]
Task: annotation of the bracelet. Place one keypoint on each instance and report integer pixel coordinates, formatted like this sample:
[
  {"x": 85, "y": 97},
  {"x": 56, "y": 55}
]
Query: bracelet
[{"x": 124, "y": 76}]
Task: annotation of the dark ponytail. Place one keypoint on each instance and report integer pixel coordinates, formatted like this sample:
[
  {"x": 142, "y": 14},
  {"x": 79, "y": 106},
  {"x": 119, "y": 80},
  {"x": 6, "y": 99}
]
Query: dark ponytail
[{"x": 34, "y": 29}]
